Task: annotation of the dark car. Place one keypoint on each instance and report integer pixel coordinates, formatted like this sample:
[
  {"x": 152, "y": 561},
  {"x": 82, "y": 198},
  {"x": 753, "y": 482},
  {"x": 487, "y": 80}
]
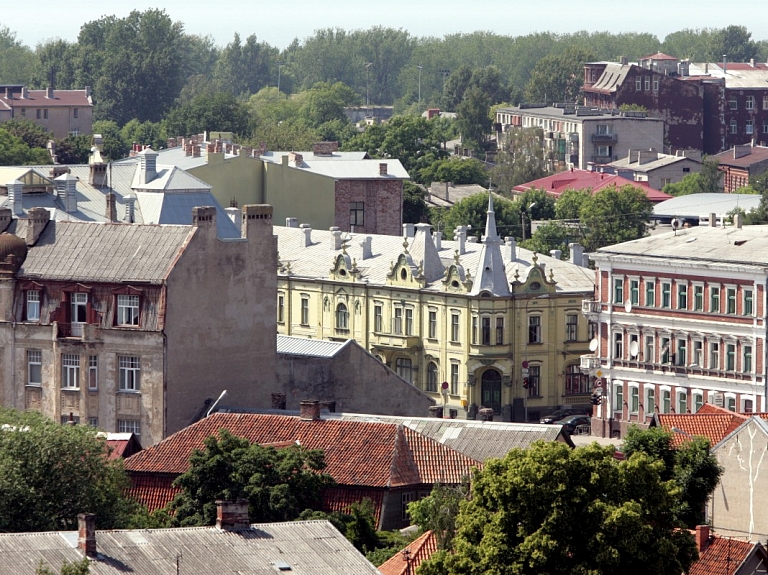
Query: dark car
[
  {"x": 561, "y": 413},
  {"x": 571, "y": 422}
]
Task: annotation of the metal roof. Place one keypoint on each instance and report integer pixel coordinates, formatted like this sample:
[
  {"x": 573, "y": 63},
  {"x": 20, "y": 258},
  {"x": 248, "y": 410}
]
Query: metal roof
[
  {"x": 309, "y": 347},
  {"x": 611, "y": 78},
  {"x": 300, "y": 548},
  {"x": 661, "y": 161},
  {"x": 354, "y": 169},
  {"x": 697, "y": 205}
]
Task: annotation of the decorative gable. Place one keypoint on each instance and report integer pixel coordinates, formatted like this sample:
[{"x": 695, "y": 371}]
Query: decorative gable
[
  {"x": 536, "y": 282},
  {"x": 344, "y": 268},
  {"x": 456, "y": 278},
  {"x": 404, "y": 272}
]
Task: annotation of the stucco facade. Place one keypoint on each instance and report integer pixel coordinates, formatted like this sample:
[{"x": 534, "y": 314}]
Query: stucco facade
[{"x": 61, "y": 112}]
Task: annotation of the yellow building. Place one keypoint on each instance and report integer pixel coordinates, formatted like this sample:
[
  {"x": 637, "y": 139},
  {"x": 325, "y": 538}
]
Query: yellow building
[{"x": 472, "y": 323}]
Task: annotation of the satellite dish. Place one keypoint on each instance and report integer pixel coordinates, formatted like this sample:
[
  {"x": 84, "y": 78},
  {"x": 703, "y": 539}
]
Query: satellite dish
[
  {"x": 593, "y": 345},
  {"x": 675, "y": 223},
  {"x": 628, "y": 306},
  {"x": 634, "y": 349}
]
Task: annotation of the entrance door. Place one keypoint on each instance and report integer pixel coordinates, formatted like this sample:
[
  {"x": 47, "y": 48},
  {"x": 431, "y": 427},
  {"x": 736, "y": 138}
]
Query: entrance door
[{"x": 490, "y": 388}]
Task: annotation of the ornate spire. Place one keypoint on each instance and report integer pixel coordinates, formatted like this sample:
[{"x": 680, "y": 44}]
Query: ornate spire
[{"x": 490, "y": 221}]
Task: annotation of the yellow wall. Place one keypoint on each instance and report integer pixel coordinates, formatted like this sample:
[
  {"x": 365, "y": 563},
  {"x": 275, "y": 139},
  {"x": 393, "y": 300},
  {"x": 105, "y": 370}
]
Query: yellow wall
[
  {"x": 239, "y": 178},
  {"x": 296, "y": 193}
]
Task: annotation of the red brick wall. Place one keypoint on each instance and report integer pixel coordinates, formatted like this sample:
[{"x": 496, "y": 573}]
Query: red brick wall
[{"x": 383, "y": 201}]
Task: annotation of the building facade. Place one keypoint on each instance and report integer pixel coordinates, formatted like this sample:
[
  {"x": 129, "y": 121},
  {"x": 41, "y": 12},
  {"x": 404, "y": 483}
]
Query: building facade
[
  {"x": 681, "y": 320},
  {"x": 472, "y": 324},
  {"x": 61, "y": 112},
  {"x": 740, "y": 164}
]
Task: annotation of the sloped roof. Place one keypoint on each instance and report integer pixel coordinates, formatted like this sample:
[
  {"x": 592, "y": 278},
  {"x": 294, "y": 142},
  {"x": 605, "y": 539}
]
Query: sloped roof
[
  {"x": 354, "y": 169},
  {"x": 419, "y": 551},
  {"x": 307, "y": 547},
  {"x": 357, "y": 453},
  {"x": 713, "y": 423},
  {"x": 77, "y": 251},
  {"x": 309, "y": 347},
  {"x": 154, "y": 490},
  {"x": 697, "y": 205},
  {"x": 756, "y": 154},
  {"x": 175, "y": 208},
  {"x": 611, "y": 78},
  {"x": 37, "y": 99},
  {"x": 661, "y": 161},
  {"x": 723, "y": 556},
  {"x": 659, "y": 56},
  {"x": 575, "y": 179},
  {"x": 170, "y": 178}
]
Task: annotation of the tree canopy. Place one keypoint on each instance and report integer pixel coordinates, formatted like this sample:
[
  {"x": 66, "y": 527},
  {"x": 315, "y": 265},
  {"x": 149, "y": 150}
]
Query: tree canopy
[
  {"x": 552, "y": 509},
  {"x": 708, "y": 181},
  {"x": 612, "y": 216},
  {"x": 522, "y": 159}
]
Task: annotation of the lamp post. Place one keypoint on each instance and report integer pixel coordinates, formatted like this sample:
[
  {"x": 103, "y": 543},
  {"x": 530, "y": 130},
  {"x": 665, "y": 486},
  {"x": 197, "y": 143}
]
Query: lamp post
[
  {"x": 419, "y": 67},
  {"x": 367, "y": 86}
]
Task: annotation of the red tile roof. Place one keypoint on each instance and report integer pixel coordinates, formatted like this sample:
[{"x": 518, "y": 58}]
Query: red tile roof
[
  {"x": 556, "y": 184},
  {"x": 711, "y": 422},
  {"x": 341, "y": 498},
  {"x": 756, "y": 154},
  {"x": 659, "y": 56},
  {"x": 722, "y": 556},
  {"x": 155, "y": 490},
  {"x": 419, "y": 550}
]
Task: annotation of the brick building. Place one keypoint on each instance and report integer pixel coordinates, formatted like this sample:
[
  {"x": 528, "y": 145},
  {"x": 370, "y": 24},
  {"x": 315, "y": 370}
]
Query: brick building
[
  {"x": 61, "y": 112},
  {"x": 741, "y": 163},
  {"x": 681, "y": 320}
]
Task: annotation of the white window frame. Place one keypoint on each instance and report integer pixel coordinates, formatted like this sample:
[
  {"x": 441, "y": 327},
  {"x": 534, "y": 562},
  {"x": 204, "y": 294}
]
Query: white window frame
[
  {"x": 714, "y": 359},
  {"x": 652, "y": 285},
  {"x": 34, "y": 358},
  {"x": 618, "y": 345},
  {"x": 665, "y": 405},
  {"x": 93, "y": 372},
  {"x": 70, "y": 371},
  {"x": 682, "y": 296},
  {"x": 729, "y": 358},
  {"x": 666, "y": 292},
  {"x": 129, "y": 373},
  {"x": 128, "y": 310},
  {"x": 534, "y": 328},
  {"x": 397, "y": 320},
  {"x": 715, "y": 293},
  {"x": 649, "y": 403},
  {"x": 747, "y": 356},
  {"x": 749, "y": 104},
  {"x": 280, "y": 307},
  {"x": 618, "y": 398},
  {"x": 129, "y": 426},
  {"x": 408, "y": 321},
  {"x": 697, "y": 354},
  {"x": 342, "y": 316},
  {"x": 304, "y": 310},
  {"x": 649, "y": 342},
  {"x": 432, "y": 324},
  {"x": 454, "y": 378},
  {"x": 455, "y": 327},
  {"x": 697, "y": 400},
  {"x": 698, "y": 292},
  {"x": 618, "y": 291},
  {"x": 634, "y": 398},
  {"x": 731, "y": 295},
  {"x": 681, "y": 401},
  {"x": 748, "y": 302},
  {"x": 33, "y": 304},
  {"x": 634, "y": 291}
]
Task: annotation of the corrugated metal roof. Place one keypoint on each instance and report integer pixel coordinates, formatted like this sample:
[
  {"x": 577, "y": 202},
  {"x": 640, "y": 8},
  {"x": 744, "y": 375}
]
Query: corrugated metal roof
[
  {"x": 307, "y": 547},
  {"x": 612, "y": 77},
  {"x": 176, "y": 208},
  {"x": 697, "y": 205},
  {"x": 354, "y": 169},
  {"x": 170, "y": 178},
  {"x": 309, "y": 347}
]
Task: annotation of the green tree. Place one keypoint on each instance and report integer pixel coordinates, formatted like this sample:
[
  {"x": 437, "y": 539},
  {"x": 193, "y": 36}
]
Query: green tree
[
  {"x": 325, "y": 102},
  {"x": 14, "y": 152},
  {"x": 568, "y": 205},
  {"x": 113, "y": 145},
  {"x": 522, "y": 160},
  {"x": 472, "y": 117},
  {"x": 244, "y": 69},
  {"x": 50, "y": 472},
  {"x": 552, "y": 236},
  {"x": 438, "y": 512},
  {"x": 612, "y": 216},
  {"x": 219, "y": 112},
  {"x": 552, "y": 509},
  {"x": 457, "y": 170},
  {"x": 33, "y": 135},
  {"x": 73, "y": 149},
  {"x": 414, "y": 203},
  {"x": 16, "y": 60},
  {"x": 473, "y": 211},
  {"x": 279, "y": 483},
  {"x": 708, "y": 181},
  {"x": 694, "y": 469},
  {"x": 558, "y": 78},
  {"x": 74, "y": 568},
  {"x": 734, "y": 42}
]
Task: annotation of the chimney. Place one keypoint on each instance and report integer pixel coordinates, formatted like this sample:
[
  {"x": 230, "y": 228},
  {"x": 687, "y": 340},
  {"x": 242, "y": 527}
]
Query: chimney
[
  {"x": 37, "y": 219},
  {"x": 623, "y": 60},
  {"x": 447, "y": 194},
  {"x": 14, "y": 197},
  {"x": 737, "y": 220},
  {"x": 409, "y": 230},
  {"x": 329, "y": 406},
  {"x": 295, "y": 159},
  {"x": 309, "y": 410},
  {"x": 702, "y": 537},
  {"x": 724, "y": 63},
  {"x": 97, "y": 174},
  {"x": 66, "y": 186},
  {"x": 231, "y": 515},
  {"x": 86, "y": 534},
  {"x": 556, "y": 254},
  {"x": 278, "y": 401},
  {"x": 148, "y": 165},
  {"x": 324, "y": 148},
  {"x": 235, "y": 215},
  {"x": 382, "y": 168},
  {"x": 204, "y": 217},
  {"x": 284, "y": 160},
  {"x": 49, "y": 93},
  {"x": 585, "y": 260},
  {"x": 130, "y": 205},
  {"x": 336, "y": 233},
  {"x": 291, "y": 222},
  {"x": 460, "y": 234},
  {"x": 752, "y": 62},
  {"x": 577, "y": 253},
  {"x": 306, "y": 236},
  {"x": 111, "y": 211},
  {"x": 365, "y": 244},
  {"x": 511, "y": 245},
  {"x": 485, "y": 414},
  {"x": 257, "y": 221},
  {"x": 712, "y": 220},
  {"x": 438, "y": 241},
  {"x": 24, "y": 93}
]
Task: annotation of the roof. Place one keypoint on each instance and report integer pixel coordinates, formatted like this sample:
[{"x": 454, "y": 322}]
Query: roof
[
  {"x": 694, "y": 206},
  {"x": 611, "y": 78},
  {"x": 659, "y": 56},
  {"x": 754, "y": 155},
  {"x": 661, "y": 161},
  {"x": 171, "y": 178},
  {"x": 122, "y": 445},
  {"x": 418, "y": 551},
  {"x": 723, "y": 556},
  {"x": 307, "y": 547},
  {"x": 37, "y": 99},
  {"x": 455, "y": 193},
  {"x": 353, "y": 169},
  {"x": 710, "y": 421},
  {"x": 357, "y": 453},
  {"x": 302, "y": 346},
  {"x": 275, "y": 157},
  {"x": 480, "y": 440},
  {"x": 576, "y": 179},
  {"x": 737, "y": 75},
  {"x": 77, "y": 251}
]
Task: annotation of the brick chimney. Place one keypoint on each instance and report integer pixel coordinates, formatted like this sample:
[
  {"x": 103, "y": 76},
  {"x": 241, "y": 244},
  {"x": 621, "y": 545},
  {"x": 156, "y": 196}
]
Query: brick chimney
[
  {"x": 702, "y": 537},
  {"x": 256, "y": 221},
  {"x": 86, "y": 534},
  {"x": 309, "y": 410},
  {"x": 382, "y": 169},
  {"x": 204, "y": 217},
  {"x": 232, "y": 515},
  {"x": 295, "y": 159},
  {"x": 111, "y": 212},
  {"x": 37, "y": 219}
]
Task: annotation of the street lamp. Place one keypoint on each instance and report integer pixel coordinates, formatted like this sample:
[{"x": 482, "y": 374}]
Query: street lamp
[
  {"x": 367, "y": 85},
  {"x": 419, "y": 67},
  {"x": 522, "y": 216}
]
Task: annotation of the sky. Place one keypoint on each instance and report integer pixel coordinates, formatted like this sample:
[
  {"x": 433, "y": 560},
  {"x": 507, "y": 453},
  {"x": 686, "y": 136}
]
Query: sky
[{"x": 278, "y": 23}]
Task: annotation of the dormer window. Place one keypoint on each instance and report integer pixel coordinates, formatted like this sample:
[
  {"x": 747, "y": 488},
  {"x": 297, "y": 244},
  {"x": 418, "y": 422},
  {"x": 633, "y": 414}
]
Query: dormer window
[
  {"x": 33, "y": 305},
  {"x": 128, "y": 310}
]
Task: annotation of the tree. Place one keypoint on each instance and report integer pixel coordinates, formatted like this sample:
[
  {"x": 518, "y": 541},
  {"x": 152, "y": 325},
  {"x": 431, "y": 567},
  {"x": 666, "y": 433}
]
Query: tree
[
  {"x": 14, "y": 152},
  {"x": 33, "y": 135},
  {"x": 694, "y": 469},
  {"x": 325, "y": 102},
  {"x": 16, "y": 60},
  {"x": 279, "y": 483},
  {"x": 558, "y": 78},
  {"x": 73, "y": 149},
  {"x": 568, "y": 205},
  {"x": 552, "y": 509},
  {"x": 51, "y": 472},
  {"x": 220, "y": 112},
  {"x": 552, "y": 236},
  {"x": 75, "y": 568},
  {"x": 522, "y": 160},
  {"x": 414, "y": 204},
  {"x": 612, "y": 216},
  {"x": 457, "y": 170},
  {"x": 438, "y": 512},
  {"x": 244, "y": 69},
  {"x": 733, "y": 42},
  {"x": 708, "y": 181},
  {"x": 473, "y": 211},
  {"x": 472, "y": 117}
]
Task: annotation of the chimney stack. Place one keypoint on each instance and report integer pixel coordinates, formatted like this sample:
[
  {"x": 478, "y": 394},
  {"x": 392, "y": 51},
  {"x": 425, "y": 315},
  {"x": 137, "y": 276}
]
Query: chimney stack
[
  {"x": 148, "y": 165},
  {"x": 556, "y": 254},
  {"x": 37, "y": 219},
  {"x": 278, "y": 401},
  {"x": 130, "y": 204},
  {"x": 336, "y": 233},
  {"x": 204, "y": 217},
  {"x": 309, "y": 410},
  {"x": 365, "y": 244},
  {"x": 291, "y": 222},
  {"x": 86, "y": 534},
  {"x": 66, "y": 186},
  {"x": 257, "y": 221},
  {"x": 409, "y": 230},
  {"x": 577, "y": 253},
  {"x": 235, "y": 215},
  {"x": 460, "y": 233},
  {"x": 436, "y": 411},
  {"x": 382, "y": 168},
  {"x": 511, "y": 245},
  {"x": 49, "y": 93},
  {"x": 702, "y": 537},
  {"x": 712, "y": 220},
  {"x": 306, "y": 236},
  {"x": 438, "y": 240},
  {"x": 231, "y": 515},
  {"x": 111, "y": 211},
  {"x": 737, "y": 220}
]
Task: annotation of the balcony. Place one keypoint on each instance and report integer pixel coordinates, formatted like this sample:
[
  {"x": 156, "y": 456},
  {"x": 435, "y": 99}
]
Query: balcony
[
  {"x": 396, "y": 341},
  {"x": 604, "y": 139},
  {"x": 602, "y": 159},
  {"x": 589, "y": 362}
]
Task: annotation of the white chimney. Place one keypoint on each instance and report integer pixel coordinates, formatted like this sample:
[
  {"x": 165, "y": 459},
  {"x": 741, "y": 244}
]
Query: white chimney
[
  {"x": 556, "y": 254},
  {"x": 14, "y": 197},
  {"x": 409, "y": 230},
  {"x": 306, "y": 236},
  {"x": 577, "y": 253},
  {"x": 438, "y": 240},
  {"x": 147, "y": 165},
  {"x": 511, "y": 245},
  {"x": 365, "y": 244},
  {"x": 336, "y": 234},
  {"x": 130, "y": 201},
  {"x": 291, "y": 222}
]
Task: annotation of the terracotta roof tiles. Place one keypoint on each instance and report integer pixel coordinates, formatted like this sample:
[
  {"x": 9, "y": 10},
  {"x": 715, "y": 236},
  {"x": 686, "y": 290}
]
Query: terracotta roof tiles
[
  {"x": 154, "y": 490},
  {"x": 419, "y": 551},
  {"x": 710, "y": 423},
  {"x": 723, "y": 556}
]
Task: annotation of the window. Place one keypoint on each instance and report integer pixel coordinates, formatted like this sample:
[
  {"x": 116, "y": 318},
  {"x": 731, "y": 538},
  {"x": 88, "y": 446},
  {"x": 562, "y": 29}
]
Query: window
[
  {"x": 698, "y": 298},
  {"x": 747, "y": 308},
  {"x": 648, "y": 352},
  {"x": 747, "y": 406},
  {"x": 280, "y": 308},
  {"x": 682, "y": 296},
  {"x": 397, "y": 321},
  {"x": 407, "y": 498},
  {"x": 634, "y": 399},
  {"x": 765, "y": 102},
  {"x": 454, "y": 327},
  {"x": 75, "y": 112},
  {"x": 666, "y": 401},
  {"x": 408, "y": 321},
  {"x": 746, "y": 361},
  {"x": 70, "y": 371},
  {"x": 682, "y": 346},
  {"x": 730, "y": 300},
  {"x": 38, "y": 113},
  {"x": 499, "y": 331},
  {"x": 698, "y": 401},
  {"x": 128, "y": 426},
  {"x": 618, "y": 290},
  {"x": 750, "y": 127},
  {"x": 666, "y": 295},
  {"x": 734, "y": 127},
  {"x": 486, "y": 331},
  {"x": 638, "y": 84},
  {"x": 592, "y": 330},
  {"x": 33, "y": 305},
  {"x": 130, "y": 371},
  {"x": 765, "y": 126},
  {"x": 618, "y": 393},
  {"x": 604, "y": 130},
  {"x": 93, "y": 422},
  {"x": 732, "y": 103},
  {"x": 730, "y": 403},
  {"x": 714, "y": 299},
  {"x": 571, "y": 327},
  {"x": 682, "y": 402},
  {"x": 714, "y": 355},
  {"x": 576, "y": 382},
  {"x": 634, "y": 292},
  {"x": 655, "y": 84},
  {"x": 45, "y": 113},
  {"x": 698, "y": 354},
  {"x": 664, "y": 350},
  {"x": 128, "y": 310},
  {"x": 534, "y": 329},
  {"x": 432, "y": 377},
  {"x": 604, "y": 151},
  {"x": 404, "y": 369},
  {"x": 454, "y": 379},
  {"x": 650, "y": 293},
  {"x": 665, "y": 181},
  {"x": 342, "y": 317},
  {"x": 356, "y": 213},
  {"x": 750, "y": 103},
  {"x": 474, "y": 330},
  {"x": 647, "y": 83},
  {"x": 305, "y": 311},
  {"x": 378, "y": 319},
  {"x": 534, "y": 381},
  {"x": 730, "y": 357},
  {"x": 34, "y": 367},
  {"x": 650, "y": 400},
  {"x": 432, "y": 329},
  {"x": 24, "y": 112},
  {"x": 618, "y": 346},
  {"x": 93, "y": 372},
  {"x": 79, "y": 307}
]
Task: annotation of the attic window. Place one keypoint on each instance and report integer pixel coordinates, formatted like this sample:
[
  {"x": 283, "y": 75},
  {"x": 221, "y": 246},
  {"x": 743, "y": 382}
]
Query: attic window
[
  {"x": 342, "y": 272},
  {"x": 535, "y": 285},
  {"x": 403, "y": 274},
  {"x": 454, "y": 284},
  {"x": 282, "y": 566}
]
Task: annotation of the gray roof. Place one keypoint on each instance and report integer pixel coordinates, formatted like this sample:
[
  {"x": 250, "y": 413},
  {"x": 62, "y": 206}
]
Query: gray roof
[
  {"x": 302, "y": 346},
  {"x": 77, "y": 251},
  {"x": 479, "y": 440},
  {"x": 276, "y": 157},
  {"x": 171, "y": 178},
  {"x": 696, "y": 205},
  {"x": 176, "y": 208},
  {"x": 354, "y": 169},
  {"x": 738, "y": 78},
  {"x": 611, "y": 78},
  {"x": 307, "y": 547},
  {"x": 661, "y": 161}
]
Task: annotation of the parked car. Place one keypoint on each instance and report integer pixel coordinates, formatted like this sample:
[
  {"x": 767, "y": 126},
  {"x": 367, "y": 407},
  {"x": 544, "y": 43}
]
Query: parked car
[
  {"x": 571, "y": 422},
  {"x": 561, "y": 413}
]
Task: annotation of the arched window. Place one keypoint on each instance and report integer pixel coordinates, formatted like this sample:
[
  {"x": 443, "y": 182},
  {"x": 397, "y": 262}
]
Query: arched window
[
  {"x": 576, "y": 382},
  {"x": 432, "y": 377},
  {"x": 342, "y": 317},
  {"x": 404, "y": 369}
]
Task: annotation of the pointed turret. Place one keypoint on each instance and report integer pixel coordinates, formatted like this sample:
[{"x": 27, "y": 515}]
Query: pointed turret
[
  {"x": 490, "y": 221},
  {"x": 490, "y": 275}
]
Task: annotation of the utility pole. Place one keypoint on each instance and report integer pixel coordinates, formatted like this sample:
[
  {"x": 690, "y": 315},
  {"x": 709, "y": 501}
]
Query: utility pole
[
  {"x": 367, "y": 87},
  {"x": 419, "y": 67}
]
